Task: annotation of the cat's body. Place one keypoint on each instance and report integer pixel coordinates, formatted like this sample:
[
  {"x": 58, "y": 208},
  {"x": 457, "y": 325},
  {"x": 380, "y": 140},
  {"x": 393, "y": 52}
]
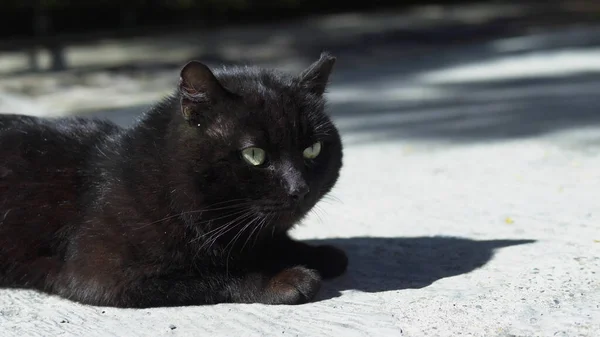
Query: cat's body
[{"x": 189, "y": 206}]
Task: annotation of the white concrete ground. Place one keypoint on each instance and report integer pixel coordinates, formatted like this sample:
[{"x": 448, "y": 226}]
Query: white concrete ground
[{"x": 468, "y": 203}]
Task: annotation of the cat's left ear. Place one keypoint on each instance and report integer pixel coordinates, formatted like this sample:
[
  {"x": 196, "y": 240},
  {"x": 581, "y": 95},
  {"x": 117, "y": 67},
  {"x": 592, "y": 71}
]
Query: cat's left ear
[
  {"x": 199, "y": 89},
  {"x": 316, "y": 76}
]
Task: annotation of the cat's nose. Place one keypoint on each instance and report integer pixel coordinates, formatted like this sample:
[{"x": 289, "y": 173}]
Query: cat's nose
[{"x": 298, "y": 192}]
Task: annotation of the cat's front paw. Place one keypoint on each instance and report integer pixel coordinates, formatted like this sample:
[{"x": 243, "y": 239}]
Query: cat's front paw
[
  {"x": 294, "y": 285},
  {"x": 330, "y": 261}
]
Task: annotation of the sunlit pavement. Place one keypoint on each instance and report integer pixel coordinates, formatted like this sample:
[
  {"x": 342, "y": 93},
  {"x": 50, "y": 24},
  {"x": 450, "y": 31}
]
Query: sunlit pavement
[{"x": 468, "y": 202}]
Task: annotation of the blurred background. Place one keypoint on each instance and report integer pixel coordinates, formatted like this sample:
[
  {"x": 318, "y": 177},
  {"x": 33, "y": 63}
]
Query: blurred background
[
  {"x": 445, "y": 70},
  {"x": 478, "y": 119},
  {"x": 472, "y": 119}
]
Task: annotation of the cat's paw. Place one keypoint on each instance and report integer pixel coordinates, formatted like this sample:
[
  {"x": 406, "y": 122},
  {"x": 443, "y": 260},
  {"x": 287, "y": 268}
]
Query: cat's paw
[
  {"x": 330, "y": 261},
  {"x": 294, "y": 285}
]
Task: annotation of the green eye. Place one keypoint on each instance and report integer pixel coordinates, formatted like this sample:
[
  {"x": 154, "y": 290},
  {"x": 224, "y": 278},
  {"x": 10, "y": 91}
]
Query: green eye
[
  {"x": 312, "y": 151},
  {"x": 254, "y": 156}
]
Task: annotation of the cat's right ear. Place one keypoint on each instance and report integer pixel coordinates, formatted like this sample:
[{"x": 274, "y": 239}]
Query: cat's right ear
[
  {"x": 316, "y": 76},
  {"x": 199, "y": 88}
]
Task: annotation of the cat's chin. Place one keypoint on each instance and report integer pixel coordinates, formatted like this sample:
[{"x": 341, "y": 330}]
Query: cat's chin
[
  {"x": 283, "y": 218},
  {"x": 277, "y": 215}
]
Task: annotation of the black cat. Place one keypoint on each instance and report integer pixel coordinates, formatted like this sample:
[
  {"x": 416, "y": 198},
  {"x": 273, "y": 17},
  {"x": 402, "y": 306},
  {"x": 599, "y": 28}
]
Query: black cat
[{"x": 190, "y": 206}]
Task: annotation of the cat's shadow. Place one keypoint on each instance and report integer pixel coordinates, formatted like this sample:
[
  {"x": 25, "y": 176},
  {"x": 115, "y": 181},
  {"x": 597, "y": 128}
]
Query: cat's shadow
[{"x": 381, "y": 264}]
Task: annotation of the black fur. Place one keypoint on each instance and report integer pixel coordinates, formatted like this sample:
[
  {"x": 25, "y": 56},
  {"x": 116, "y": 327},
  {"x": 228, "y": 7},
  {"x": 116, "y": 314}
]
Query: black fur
[{"x": 167, "y": 212}]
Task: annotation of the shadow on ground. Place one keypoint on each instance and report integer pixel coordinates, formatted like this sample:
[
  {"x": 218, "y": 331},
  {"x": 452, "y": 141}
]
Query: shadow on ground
[{"x": 383, "y": 264}]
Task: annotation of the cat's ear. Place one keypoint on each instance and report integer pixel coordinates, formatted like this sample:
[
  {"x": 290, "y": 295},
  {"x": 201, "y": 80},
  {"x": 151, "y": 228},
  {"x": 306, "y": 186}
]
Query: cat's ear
[
  {"x": 316, "y": 76},
  {"x": 199, "y": 88}
]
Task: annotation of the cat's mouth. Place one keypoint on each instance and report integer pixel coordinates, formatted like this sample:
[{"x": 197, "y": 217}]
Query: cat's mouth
[{"x": 277, "y": 209}]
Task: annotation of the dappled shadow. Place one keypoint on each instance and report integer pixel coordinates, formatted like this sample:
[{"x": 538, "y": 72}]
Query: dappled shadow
[
  {"x": 465, "y": 112},
  {"x": 382, "y": 89},
  {"x": 124, "y": 117},
  {"x": 370, "y": 38},
  {"x": 478, "y": 111},
  {"x": 386, "y": 85},
  {"x": 383, "y": 264}
]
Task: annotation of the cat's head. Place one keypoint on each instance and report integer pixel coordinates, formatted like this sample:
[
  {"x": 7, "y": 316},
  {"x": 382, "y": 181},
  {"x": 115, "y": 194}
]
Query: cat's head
[{"x": 258, "y": 143}]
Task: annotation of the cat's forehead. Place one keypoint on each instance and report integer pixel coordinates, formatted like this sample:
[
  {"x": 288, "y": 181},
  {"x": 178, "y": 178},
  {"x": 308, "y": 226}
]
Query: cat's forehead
[
  {"x": 244, "y": 79},
  {"x": 275, "y": 116},
  {"x": 272, "y": 106},
  {"x": 275, "y": 96}
]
